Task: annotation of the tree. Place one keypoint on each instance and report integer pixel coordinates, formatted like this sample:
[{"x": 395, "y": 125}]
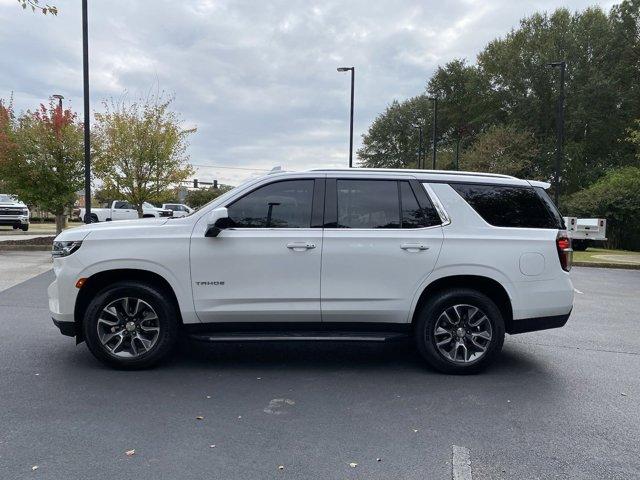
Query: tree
[
  {"x": 503, "y": 149},
  {"x": 41, "y": 157},
  {"x": 511, "y": 86},
  {"x": 392, "y": 141},
  {"x": 140, "y": 150},
  {"x": 615, "y": 197},
  {"x": 35, "y": 5},
  {"x": 198, "y": 198}
]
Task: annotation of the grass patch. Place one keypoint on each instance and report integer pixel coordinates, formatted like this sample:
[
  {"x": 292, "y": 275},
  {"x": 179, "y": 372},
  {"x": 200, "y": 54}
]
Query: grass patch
[{"x": 595, "y": 255}]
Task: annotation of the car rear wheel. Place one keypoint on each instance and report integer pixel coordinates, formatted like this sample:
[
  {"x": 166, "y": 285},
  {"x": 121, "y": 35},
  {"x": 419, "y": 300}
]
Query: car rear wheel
[
  {"x": 25, "y": 228},
  {"x": 130, "y": 325},
  {"x": 459, "y": 331}
]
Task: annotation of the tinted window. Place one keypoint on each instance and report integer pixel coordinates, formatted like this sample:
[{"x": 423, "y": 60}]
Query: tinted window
[
  {"x": 277, "y": 205},
  {"x": 413, "y": 216},
  {"x": 506, "y": 206},
  {"x": 368, "y": 204},
  {"x": 123, "y": 205}
]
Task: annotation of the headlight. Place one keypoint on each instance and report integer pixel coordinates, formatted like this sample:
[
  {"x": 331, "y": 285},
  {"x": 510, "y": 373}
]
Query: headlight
[
  {"x": 24, "y": 211},
  {"x": 64, "y": 249}
]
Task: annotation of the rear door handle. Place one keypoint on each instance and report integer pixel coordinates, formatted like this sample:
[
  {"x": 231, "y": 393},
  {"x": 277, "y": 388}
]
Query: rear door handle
[
  {"x": 299, "y": 246},
  {"x": 414, "y": 246}
]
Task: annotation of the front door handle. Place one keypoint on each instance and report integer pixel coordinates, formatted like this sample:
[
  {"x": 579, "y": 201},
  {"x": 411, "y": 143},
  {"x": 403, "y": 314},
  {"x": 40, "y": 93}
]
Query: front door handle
[
  {"x": 300, "y": 246},
  {"x": 414, "y": 246}
]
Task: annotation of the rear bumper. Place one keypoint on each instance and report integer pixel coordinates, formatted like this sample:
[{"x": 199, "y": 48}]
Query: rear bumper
[{"x": 539, "y": 323}]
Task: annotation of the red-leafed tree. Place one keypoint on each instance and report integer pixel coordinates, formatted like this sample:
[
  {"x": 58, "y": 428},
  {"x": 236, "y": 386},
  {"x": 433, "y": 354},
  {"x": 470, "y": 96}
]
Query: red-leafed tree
[{"x": 41, "y": 157}]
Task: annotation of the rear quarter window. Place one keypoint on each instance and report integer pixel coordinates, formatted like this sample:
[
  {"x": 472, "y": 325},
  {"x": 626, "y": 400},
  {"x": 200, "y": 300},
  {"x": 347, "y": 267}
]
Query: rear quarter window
[{"x": 511, "y": 206}]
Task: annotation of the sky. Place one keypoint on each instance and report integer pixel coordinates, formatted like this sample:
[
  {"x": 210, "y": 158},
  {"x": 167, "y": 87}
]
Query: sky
[{"x": 257, "y": 79}]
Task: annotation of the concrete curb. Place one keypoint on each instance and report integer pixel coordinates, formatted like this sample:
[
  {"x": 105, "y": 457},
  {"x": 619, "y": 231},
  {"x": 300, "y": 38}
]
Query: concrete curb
[
  {"x": 25, "y": 248},
  {"x": 624, "y": 266}
]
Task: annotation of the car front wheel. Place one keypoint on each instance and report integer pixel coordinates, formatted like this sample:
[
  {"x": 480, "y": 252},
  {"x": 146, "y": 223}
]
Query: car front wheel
[
  {"x": 459, "y": 331},
  {"x": 130, "y": 325}
]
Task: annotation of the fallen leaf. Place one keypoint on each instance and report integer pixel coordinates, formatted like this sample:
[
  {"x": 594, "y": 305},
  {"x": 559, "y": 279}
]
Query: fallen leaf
[
  {"x": 208, "y": 396},
  {"x": 130, "y": 453},
  {"x": 353, "y": 464},
  {"x": 239, "y": 416},
  {"x": 199, "y": 417},
  {"x": 212, "y": 446},
  {"x": 415, "y": 431},
  {"x": 34, "y": 468},
  {"x": 280, "y": 467},
  {"x": 623, "y": 394},
  {"x": 378, "y": 459}
]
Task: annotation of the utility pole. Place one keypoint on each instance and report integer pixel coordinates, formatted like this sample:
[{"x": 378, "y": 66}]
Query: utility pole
[
  {"x": 353, "y": 74},
  {"x": 420, "y": 147},
  {"x": 434, "y": 138},
  {"x": 559, "y": 132},
  {"x": 87, "y": 129}
]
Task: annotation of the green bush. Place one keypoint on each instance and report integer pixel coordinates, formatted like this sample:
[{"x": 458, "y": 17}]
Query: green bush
[{"x": 616, "y": 197}]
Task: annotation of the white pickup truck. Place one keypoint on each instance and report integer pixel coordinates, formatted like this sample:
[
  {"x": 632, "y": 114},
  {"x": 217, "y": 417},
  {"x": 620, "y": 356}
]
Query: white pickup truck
[
  {"x": 13, "y": 212},
  {"x": 585, "y": 231},
  {"x": 121, "y": 210}
]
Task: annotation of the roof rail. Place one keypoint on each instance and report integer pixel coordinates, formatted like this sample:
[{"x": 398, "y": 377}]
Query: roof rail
[{"x": 407, "y": 170}]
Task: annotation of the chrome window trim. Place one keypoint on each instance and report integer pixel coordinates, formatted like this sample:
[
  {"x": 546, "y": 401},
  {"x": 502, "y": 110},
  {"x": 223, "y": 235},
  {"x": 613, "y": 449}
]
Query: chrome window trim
[{"x": 444, "y": 216}]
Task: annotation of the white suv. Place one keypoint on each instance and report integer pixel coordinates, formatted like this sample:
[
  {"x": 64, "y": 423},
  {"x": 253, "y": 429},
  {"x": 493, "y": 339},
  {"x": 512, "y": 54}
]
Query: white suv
[{"x": 452, "y": 259}]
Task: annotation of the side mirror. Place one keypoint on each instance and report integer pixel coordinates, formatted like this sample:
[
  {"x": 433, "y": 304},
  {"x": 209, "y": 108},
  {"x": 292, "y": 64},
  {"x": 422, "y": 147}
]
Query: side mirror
[{"x": 218, "y": 220}]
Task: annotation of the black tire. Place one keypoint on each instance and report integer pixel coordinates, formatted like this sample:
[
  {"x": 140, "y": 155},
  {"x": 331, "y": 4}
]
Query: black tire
[
  {"x": 579, "y": 245},
  {"x": 25, "y": 228},
  {"x": 425, "y": 330},
  {"x": 167, "y": 321},
  {"x": 94, "y": 218}
]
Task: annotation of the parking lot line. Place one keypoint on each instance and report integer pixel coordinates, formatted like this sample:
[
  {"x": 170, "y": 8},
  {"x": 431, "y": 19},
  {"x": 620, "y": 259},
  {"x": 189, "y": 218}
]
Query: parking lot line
[{"x": 461, "y": 463}]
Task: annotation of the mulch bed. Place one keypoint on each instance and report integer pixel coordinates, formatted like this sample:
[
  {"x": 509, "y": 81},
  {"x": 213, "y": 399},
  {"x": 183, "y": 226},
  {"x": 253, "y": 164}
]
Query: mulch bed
[{"x": 31, "y": 241}]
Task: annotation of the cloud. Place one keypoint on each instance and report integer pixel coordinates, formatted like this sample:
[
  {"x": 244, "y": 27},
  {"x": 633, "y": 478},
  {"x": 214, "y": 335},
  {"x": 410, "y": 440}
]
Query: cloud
[{"x": 258, "y": 79}]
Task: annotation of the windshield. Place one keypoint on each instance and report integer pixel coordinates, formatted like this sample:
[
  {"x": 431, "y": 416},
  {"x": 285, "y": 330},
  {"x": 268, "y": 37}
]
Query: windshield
[
  {"x": 147, "y": 205},
  {"x": 6, "y": 198}
]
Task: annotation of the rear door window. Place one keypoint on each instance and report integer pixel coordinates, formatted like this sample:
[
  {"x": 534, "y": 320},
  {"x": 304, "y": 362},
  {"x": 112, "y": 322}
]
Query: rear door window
[
  {"x": 510, "y": 206},
  {"x": 368, "y": 204}
]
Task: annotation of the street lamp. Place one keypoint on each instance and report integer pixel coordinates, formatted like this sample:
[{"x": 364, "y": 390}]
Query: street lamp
[
  {"x": 59, "y": 98},
  {"x": 435, "y": 129},
  {"x": 87, "y": 136},
  {"x": 559, "y": 130},
  {"x": 353, "y": 73},
  {"x": 419, "y": 127}
]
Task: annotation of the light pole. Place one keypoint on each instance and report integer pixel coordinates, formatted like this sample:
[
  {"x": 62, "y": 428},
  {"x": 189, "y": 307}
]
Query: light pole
[
  {"x": 59, "y": 98},
  {"x": 559, "y": 131},
  {"x": 353, "y": 74},
  {"x": 87, "y": 130},
  {"x": 434, "y": 137},
  {"x": 420, "y": 143}
]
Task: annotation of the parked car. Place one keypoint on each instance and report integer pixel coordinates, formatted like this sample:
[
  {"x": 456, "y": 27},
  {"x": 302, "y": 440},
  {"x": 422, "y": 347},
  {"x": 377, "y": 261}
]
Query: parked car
[
  {"x": 453, "y": 260},
  {"x": 121, "y": 210},
  {"x": 585, "y": 232},
  {"x": 178, "y": 209},
  {"x": 13, "y": 212}
]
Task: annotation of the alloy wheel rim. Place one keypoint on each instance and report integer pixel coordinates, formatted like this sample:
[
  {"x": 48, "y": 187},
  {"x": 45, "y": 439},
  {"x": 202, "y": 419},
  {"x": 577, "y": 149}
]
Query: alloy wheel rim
[
  {"x": 128, "y": 327},
  {"x": 462, "y": 333}
]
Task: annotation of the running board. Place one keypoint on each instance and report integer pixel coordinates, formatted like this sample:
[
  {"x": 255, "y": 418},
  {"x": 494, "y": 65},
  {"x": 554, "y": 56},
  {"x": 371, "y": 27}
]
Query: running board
[{"x": 301, "y": 336}]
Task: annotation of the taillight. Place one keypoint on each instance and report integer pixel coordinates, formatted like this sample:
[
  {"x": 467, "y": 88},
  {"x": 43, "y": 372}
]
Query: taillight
[{"x": 565, "y": 252}]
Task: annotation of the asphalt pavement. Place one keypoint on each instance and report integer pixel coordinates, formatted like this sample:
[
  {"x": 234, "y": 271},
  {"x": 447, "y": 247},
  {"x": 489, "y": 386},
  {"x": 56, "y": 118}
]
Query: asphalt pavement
[{"x": 558, "y": 404}]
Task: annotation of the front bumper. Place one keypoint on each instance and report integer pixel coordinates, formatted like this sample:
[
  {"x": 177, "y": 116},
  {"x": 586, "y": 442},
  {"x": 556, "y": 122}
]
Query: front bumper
[
  {"x": 14, "y": 220},
  {"x": 66, "y": 328}
]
